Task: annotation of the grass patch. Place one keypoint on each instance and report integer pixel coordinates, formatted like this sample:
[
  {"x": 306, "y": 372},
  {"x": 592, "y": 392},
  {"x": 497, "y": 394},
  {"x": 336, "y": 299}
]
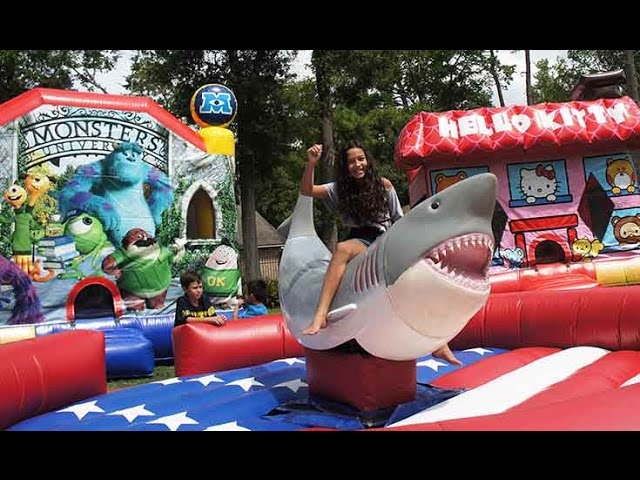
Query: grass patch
[{"x": 161, "y": 372}]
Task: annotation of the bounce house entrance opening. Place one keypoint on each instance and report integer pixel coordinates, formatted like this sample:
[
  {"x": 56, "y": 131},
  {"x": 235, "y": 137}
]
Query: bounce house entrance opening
[
  {"x": 200, "y": 216},
  {"x": 549, "y": 251},
  {"x": 94, "y": 301}
]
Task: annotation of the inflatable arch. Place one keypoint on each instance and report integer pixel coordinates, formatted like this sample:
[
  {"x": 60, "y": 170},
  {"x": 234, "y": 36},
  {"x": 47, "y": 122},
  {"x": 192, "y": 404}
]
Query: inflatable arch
[
  {"x": 118, "y": 304},
  {"x": 199, "y": 208}
]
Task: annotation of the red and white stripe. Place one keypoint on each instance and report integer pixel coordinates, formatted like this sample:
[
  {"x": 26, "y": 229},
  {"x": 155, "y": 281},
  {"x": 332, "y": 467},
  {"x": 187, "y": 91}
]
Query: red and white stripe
[{"x": 583, "y": 388}]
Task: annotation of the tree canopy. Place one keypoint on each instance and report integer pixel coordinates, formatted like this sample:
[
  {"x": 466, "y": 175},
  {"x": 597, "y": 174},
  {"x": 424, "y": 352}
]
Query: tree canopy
[{"x": 21, "y": 70}]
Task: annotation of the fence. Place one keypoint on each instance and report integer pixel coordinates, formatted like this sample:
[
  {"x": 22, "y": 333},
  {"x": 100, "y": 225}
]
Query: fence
[{"x": 269, "y": 262}]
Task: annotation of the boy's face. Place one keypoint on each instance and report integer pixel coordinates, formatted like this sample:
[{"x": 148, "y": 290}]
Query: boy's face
[{"x": 194, "y": 290}]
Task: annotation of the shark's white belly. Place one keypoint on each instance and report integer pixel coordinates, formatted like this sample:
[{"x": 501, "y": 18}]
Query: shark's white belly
[{"x": 412, "y": 318}]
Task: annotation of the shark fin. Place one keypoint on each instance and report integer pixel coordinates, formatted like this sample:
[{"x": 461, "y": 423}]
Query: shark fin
[{"x": 340, "y": 313}]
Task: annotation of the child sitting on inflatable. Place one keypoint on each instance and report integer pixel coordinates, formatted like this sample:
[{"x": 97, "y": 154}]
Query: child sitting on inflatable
[
  {"x": 193, "y": 306},
  {"x": 254, "y": 303}
]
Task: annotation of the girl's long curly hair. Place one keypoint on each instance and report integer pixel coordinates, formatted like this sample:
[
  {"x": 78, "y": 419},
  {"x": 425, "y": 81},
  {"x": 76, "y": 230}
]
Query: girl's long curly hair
[{"x": 365, "y": 200}]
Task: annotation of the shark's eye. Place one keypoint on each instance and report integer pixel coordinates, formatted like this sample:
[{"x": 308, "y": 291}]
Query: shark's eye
[{"x": 435, "y": 205}]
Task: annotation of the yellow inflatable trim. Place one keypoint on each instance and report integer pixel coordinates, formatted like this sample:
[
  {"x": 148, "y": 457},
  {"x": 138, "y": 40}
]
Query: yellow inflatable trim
[
  {"x": 13, "y": 334},
  {"x": 218, "y": 140}
]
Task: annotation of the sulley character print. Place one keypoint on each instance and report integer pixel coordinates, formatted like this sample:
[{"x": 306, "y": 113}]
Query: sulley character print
[{"x": 112, "y": 190}]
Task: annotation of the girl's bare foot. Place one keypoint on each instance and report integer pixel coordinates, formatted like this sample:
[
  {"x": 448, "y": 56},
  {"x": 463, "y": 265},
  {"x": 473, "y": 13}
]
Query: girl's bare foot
[
  {"x": 318, "y": 323},
  {"x": 445, "y": 353}
]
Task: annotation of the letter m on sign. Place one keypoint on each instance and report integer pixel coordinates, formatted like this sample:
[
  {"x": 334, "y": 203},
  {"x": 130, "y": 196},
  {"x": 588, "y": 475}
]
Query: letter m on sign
[{"x": 213, "y": 102}]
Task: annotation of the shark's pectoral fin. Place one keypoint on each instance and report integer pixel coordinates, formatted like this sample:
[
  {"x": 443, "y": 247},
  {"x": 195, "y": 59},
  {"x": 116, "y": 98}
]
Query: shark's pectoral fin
[{"x": 342, "y": 312}]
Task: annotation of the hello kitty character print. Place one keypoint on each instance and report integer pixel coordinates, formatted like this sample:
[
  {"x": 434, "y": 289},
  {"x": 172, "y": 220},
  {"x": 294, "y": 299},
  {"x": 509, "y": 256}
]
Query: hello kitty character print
[{"x": 539, "y": 183}]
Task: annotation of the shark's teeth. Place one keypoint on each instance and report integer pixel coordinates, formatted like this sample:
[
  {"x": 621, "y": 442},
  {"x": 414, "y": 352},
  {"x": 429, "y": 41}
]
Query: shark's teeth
[
  {"x": 463, "y": 260},
  {"x": 479, "y": 284}
]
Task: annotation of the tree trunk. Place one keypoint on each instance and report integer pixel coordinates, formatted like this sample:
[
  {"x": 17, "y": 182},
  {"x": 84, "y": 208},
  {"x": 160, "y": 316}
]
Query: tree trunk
[
  {"x": 249, "y": 233},
  {"x": 632, "y": 79},
  {"x": 330, "y": 236},
  {"x": 247, "y": 190},
  {"x": 496, "y": 78},
  {"x": 327, "y": 163},
  {"x": 527, "y": 59}
]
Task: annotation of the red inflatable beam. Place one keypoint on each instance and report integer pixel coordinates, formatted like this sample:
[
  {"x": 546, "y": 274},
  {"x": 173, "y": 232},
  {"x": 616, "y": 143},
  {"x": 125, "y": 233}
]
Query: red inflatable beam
[
  {"x": 603, "y": 317},
  {"x": 202, "y": 348},
  {"x": 32, "y": 99},
  {"x": 44, "y": 373}
]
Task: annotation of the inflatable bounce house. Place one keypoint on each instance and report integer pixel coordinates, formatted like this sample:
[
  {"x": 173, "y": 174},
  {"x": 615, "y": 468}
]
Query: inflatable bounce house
[
  {"x": 519, "y": 252},
  {"x": 107, "y": 199},
  {"x": 567, "y": 192}
]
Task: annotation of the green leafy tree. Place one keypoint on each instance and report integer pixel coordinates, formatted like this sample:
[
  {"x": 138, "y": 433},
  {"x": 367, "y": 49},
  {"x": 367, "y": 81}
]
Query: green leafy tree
[
  {"x": 593, "y": 61},
  {"x": 172, "y": 224},
  {"x": 370, "y": 95},
  {"x": 21, "y": 70},
  {"x": 554, "y": 82}
]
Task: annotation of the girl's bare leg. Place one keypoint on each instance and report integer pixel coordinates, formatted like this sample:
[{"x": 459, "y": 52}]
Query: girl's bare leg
[
  {"x": 344, "y": 252},
  {"x": 445, "y": 353}
]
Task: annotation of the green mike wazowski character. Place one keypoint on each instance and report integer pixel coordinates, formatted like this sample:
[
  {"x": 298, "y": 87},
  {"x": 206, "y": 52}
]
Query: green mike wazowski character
[{"x": 90, "y": 239}]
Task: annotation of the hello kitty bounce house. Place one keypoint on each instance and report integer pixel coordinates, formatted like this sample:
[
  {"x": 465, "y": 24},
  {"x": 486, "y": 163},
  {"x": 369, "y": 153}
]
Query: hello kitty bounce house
[{"x": 568, "y": 203}]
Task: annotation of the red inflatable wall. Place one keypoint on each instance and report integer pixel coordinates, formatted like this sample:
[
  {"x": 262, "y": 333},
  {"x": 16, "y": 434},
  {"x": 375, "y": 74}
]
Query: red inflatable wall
[
  {"x": 556, "y": 276},
  {"x": 41, "y": 374},
  {"x": 603, "y": 317},
  {"x": 201, "y": 348}
]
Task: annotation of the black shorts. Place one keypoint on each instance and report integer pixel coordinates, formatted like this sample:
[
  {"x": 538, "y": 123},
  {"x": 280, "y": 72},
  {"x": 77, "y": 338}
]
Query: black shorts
[{"x": 366, "y": 235}]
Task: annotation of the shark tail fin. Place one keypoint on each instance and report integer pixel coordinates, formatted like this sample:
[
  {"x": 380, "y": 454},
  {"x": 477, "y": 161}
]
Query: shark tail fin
[{"x": 301, "y": 223}]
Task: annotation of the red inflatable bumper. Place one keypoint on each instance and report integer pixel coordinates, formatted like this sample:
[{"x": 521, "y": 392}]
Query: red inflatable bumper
[
  {"x": 202, "y": 348},
  {"x": 41, "y": 374},
  {"x": 365, "y": 382},
  {"x": 602, "y": 317}
]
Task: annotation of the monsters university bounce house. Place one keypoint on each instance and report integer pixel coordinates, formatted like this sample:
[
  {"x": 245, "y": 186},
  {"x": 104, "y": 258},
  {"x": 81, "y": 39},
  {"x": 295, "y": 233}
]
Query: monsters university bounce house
[
  {"x": 513, "y": 253},
  {"x": 106, "y": 198}
]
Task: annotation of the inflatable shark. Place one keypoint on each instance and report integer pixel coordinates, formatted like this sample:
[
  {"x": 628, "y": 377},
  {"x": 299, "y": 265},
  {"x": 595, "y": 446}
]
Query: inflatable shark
[{"x": 412, "y": 290}]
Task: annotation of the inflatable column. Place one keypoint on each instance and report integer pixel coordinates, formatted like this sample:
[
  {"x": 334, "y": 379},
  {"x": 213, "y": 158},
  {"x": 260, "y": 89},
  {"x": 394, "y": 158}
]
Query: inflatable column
[
  {"x": 213, "y": 107},
  {"x": 357, "y": 378}
]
